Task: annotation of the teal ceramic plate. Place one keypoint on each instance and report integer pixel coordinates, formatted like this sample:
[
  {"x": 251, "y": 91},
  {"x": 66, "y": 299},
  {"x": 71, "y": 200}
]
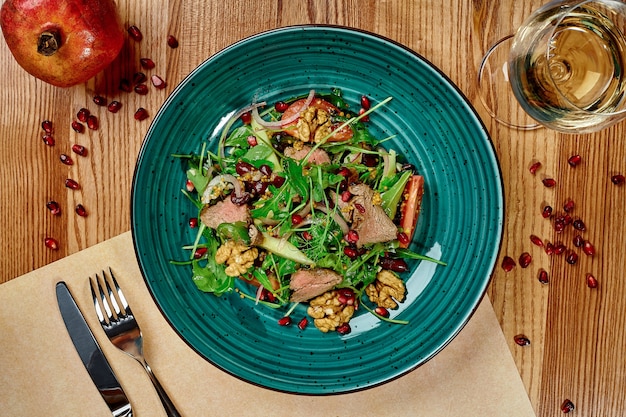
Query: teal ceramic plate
[{"x": 461, "y": 219}]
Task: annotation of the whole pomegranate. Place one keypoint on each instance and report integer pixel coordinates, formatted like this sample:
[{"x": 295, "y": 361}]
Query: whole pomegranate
[{"x": 62, "y": 42}]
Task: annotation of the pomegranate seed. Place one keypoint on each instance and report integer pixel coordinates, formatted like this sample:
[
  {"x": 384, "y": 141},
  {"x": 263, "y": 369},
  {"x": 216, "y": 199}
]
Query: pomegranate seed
[
  {"x": 592, "y": 282},
  {"x": 278, "y": 181},
  {"x": 365, "y": 102},
  {"x": 549, "y": 248},
  {"x": 403, "y": 238},
  {"x": 46, "y": 125},
  {"x": 364, "y": 118},
  {"x": 508, "y": 264},
  {"x": 81, "y": 210},
  {"x": 521, "y": 340},
  {"x": 139, "y": 77},
  {"x": 125, "y": 85},
  {"x": 578, "y": 241},
  {"x": 135, "y": 33},
  {"x": 66, "y": 159},
  {"x": 346, "y": 196},
  {"x": 100, "y": 100},
  {"x": 549, "y": 182},
  {"x": 79, "y": 149},
  {"x": 141, "y": 114},
  {"x": 572, "y": 258},
  {"x": 147, "y": 63},
  {"x": 284, "y": 321},
  {"x": 568, "y": 206},
  {"x": 359, "y": 208},
  {"x": 382, "y": 311},
  {"x": 542, "y": 276},
  {"x": 559, "y": 224},
  {"x": 54, "y": 207},
  {"x": 296, "y": 219},
  {"x": 588, "y": 248},
  {"x": 534, "y": 167},
  {"x": 344, "y": 172},
  {"x": 395, "y": 265},
  {"x": 307, "y": 236},
  {"x": 352, "y": 236},
  {"x": 567, "y": 406},
  {"x": 252, "y": 141},
  {"x": 199, "y": 253},
  {"x": 193, "y": 222},
  {"x": 114, "y": 106},
  {"x": 343, "y": 329},
  {"x": 141, "y": 89},
  {"x": 546, "y": 212},
  {"x": 246, "y": 118},
  {"x": 267, "y": 296},
  {"x": 71, "y": 184},
  {"x": 158, "y": 82},
  {"x": 172, "y": 42},
  {"x": 48, "y": 139},
  {"x": 579, "y": 225},
  {"x": 281, "y": 106},
  {"x": 51, "y": 243},
  {"x": 536, "y": 240},
  {"x": 574, "y": 160},
  {"x": 78, "y": 126},
  {"x": 525, "y": 259},
  {"x": 618, "y": 179},
  {"x": 350, "y": 252},
  {"x": 83, "y": 114},
  {"x": 303, "y": 323},
  {"x": 189, "y": 186},
  {"x": 92, "y": 122}
]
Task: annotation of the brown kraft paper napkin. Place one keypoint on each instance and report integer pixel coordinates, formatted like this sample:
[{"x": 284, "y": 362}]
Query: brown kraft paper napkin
[{"x": 42, "y": 375}]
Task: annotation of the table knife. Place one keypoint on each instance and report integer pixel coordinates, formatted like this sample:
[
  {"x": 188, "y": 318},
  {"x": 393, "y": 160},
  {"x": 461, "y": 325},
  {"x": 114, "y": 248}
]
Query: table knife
[{"x": 91, "y": 355}]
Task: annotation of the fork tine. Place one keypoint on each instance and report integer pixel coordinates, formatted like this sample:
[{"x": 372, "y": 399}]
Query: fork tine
[
  {"x": 112, "y": 298},
  {"x": 96, "y": 302},
  {"x": 120, "y": 294},
  {"x": 105, "y": 303}
]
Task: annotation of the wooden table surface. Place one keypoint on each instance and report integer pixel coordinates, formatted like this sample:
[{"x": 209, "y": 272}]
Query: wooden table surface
[{"x": 577, "y": 336}]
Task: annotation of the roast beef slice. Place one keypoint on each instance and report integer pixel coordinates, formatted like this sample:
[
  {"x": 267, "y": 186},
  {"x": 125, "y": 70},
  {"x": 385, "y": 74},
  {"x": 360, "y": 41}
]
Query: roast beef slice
[
  {"x": 309, "y": 283},
  {"x": 224, "y": 211}
]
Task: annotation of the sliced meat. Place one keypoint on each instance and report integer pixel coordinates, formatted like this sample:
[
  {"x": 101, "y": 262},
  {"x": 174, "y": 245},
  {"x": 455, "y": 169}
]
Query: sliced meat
[
  {"x": 224, "y": 211},
  {"x": 309, "y": 283},
  {"x": 318, "y": 157},
  {"x": 369, "y": 220}
]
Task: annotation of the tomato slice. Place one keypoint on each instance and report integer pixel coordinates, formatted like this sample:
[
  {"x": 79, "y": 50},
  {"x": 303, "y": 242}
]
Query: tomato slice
[
  {"x": 341, "y": 135},
  {"x": 410, "y": 207}
]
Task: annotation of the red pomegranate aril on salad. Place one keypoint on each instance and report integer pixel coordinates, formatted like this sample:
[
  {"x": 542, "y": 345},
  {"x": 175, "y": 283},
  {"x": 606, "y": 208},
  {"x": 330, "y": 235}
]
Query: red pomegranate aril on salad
[
  {"x": 343, "y": 329},
  {"x": 521, "y": 340},
  {"x": 346, "y": 196},
  {"x": 281, "y": 106},
  {"x": 350, "y": 252},
  {"x": 189, "y": 186},
  {"x": 199, "y": 253},
  {"x": 54, "y": 207},
  {"x": 193, "y": 222},
  {"x": 534, "y": 167},
  {"x": 365, "y": 118},
  {"x": 395, "y": 265},
  {"x": 352, "y": 236},
  {"x": 81, "y": 210},
  {"x": 48, "y": 139},
  {"x": 146, "y": 63},
  {"x": 172, "y": 42},
  {"x": 382, "y": 311},
  {"x": 66, "y": 159},
  {"x": 508, "y": 264},
  {"x": 83, "y": 114},
  {"x": 403, "y": 239},
  {"x": 72, "y": 184},
  {"x": 525, "y": 259},
  {"x": 46, "y": 125},
  {"x": 78, "y": 126},
  {"x": 574, "y": 160},
  {"x": 135, "y": 33},
  {"x": 278, "y": 181},
  {"x": 252, "y": 141},
  {"x": 307, "y": 236},
  {"x": 296, "y": 219},
  {"x": 51, "y": 243},
  {"x": 246, "y": 118},
  {"x": 284, "y": 321},
  {"x": 365, "y": 102},
  {"x": 242, "y": 168},
  {"x": 79, "y": 149}
]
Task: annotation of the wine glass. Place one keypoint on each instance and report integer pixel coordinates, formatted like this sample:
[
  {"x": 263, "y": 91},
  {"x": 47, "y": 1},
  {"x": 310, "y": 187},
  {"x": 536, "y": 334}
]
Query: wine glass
[{"x": 564, "y": 69}]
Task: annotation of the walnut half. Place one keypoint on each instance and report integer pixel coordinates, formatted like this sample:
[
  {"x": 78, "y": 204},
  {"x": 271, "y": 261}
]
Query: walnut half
[
  {"x": 237, "y": 256},
  {"x": 386, "y": 290},
  {"x": 328, "y": 312}
]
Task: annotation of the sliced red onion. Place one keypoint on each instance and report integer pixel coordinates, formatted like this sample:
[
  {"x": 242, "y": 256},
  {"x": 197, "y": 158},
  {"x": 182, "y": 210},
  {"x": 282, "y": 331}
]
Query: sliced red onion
[
  {"x": 336, "y": 217},
  {"x": 221, "y": 179},
  {"x": 280, "y": 123}
]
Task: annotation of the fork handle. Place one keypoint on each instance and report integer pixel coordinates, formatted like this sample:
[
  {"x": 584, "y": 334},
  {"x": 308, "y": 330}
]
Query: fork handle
[{"x": 170, "y": 409}]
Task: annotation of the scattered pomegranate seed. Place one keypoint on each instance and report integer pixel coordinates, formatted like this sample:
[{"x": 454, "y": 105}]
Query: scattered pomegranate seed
[
  {"x": 46, "y": 125},
  {"x": 189, "y": 186},
  {"x": 559, "y": 248},
  {"x": 536, "y": 240},
  {"x": 549, "y": 182},
  {"x": 365, "y": 102},
  {"x": 141, "y": 89},
  {"x": 83, "y": 114},
  {"x": 572, "y": 258},
  {"x": 80, "y": 210},
  {"x": 125, "y": 85},
  {"x": 193, "y": 222},
  {"x": 343, "y": 329},
  {"x": 618, "y": 179},
  {"x": 79, "y": 149},
  {"x": 100, "y": 100},
  {"x": 246, "y": 118},
  {"x": 66, "y": 159},
  {"x": 139, "y": 77},
  {"x": 78, "y": 126},
  {"x": 92, "y": 122},
  {"x": 303, "y": 323},
  {"x": 147, "y": 63},
  {"x": 307, "y": 236},
  {"x": 567, "y": 406},
  {"x": 296, "y": 219},
  {"x": 549, "y": 248},
  {"x": 344, "y": 172},
  {"x": 403, "y": 238},
  {"x": 574, "y": 160},
  {"x": 114, "y": 106},
  {"x": 48, "y": 139},
  {"x": 172, "y": 42},
  {"x": 525, "y": 259},
  {"x": 521, "y": 340},
  {"x": 588, "y": 248},
  {"x": 54, "y": 207},
  {"x": 578, "y": 241},
  {"x": 364, "y": 118},
  {"x": 592, "y": 282},
  {"x": 534, "y": 167},
  {"x": 542, "y": 276},
  {"x": 135, "y": 33},
  {"x": 51, "y": 243},
  {"x": 350, "y": 252},
  {"x": 346, "y": 196},
  {"x": 281, "y": 106},
  {"x": 252, "y": 140},
  {"x": 158, "y": 82},
  {"x": 199, "y": 253},
  {"x": 284, "y": 321},
  {"x": 568, "y": 206},
  {"x": 71, "y": 184},
  {"x": 352, "y": 236},
  {"x": 546, "y": 212},
  {"x": 508, "y": 263},
  {"x": 382, "y": 311},
  {"x": 141, "y": 114},
  {"x": 579, "y": 225}
]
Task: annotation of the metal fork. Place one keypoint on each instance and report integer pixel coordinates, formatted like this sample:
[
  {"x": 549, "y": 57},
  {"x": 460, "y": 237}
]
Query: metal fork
[{"x": 120, "y": 326}]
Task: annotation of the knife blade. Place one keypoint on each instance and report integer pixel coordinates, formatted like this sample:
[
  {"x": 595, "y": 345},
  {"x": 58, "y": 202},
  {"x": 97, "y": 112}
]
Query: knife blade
[{"x": 91, "y": 354}]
